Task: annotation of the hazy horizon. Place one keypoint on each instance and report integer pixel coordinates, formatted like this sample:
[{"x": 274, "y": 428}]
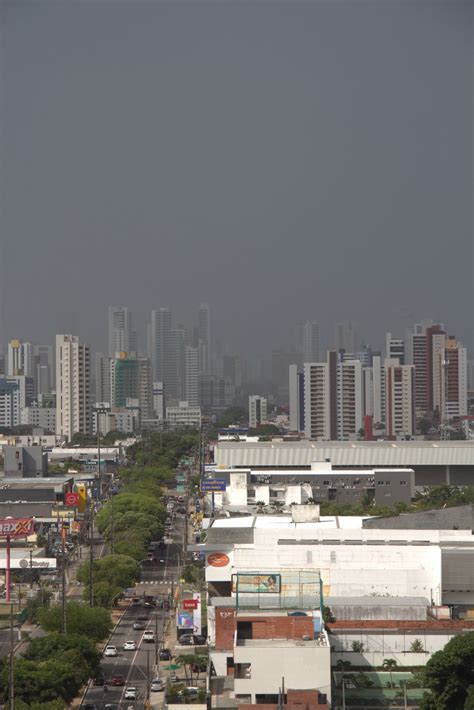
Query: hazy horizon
[{"x": 281, "y": 162}]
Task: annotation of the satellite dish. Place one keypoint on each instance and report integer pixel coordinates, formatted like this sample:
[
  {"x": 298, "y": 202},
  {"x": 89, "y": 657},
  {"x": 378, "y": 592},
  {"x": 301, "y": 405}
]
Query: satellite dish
[{"x": 24, "y": 564}]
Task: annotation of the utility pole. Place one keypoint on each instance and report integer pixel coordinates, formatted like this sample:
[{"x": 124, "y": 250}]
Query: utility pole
[
  {"x": 91, "y": 556},
  {"x": 11, "y": 674},
  {"x": 112, "y": 529},
  {"x": 156, "y": 639},
  {"x": 343, "y": 694},
  {"x": 405, "y": 702},
  {"x": 148, "y": 674},
  {"x": 63, "y": 581}
]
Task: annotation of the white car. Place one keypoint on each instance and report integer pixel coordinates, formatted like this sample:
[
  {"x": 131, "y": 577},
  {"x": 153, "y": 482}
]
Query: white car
[
  {"x": 131, "y": 693},
  {"x": 129, "y": 646},
  {"x": 157, "y": 685},
  {"x": 149, "y": 637},
  {"x": 110, "y": 651}
]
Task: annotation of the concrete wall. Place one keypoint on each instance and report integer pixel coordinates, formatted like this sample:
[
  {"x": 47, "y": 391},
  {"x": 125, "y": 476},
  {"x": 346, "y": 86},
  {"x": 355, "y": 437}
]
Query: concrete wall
[
  {"x": 352, "y": 570},
  {"x": 387, "y": 644},
  {"x": 296, "y": 664},
  {"x": 376, "y": 659}
]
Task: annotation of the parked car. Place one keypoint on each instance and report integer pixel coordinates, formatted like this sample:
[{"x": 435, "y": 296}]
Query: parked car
[
  {"x": 157, "y": 685},
  {"x": 191, "y": 640},
  {"x": 110, "y": 651},
  {"x": 149, "y": 605},
  {"x": 117, "y": 680},
  {"x": 139, "y": 626},
  {"x": 131, "y": 693},
  {"x": 190, "y": 690},
  {"x": 136, "y": 601},
  {"x": 129, "y": 646},
  {"x": 149, "y": 637},
  {"x": 297, "y": 613},
  {"x": 165, "y": 654}
]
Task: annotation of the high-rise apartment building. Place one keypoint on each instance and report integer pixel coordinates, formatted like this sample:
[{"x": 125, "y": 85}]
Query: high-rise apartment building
[
  {"x": 121, "y": 337},
  {"x": 400, "y": 417},
  {"x": 394, "y": 348},
  {"x": 165, "y": 343},
  {"x": 453, "y": 376},
  {"x": 296, "y": 398},
  {"x": 158, "y": 400},
  {"x": 102, "y": 378},
  {"x": 320, "y": 398},
  {"x": 257, "y": 411},
  {"x": 9, "y": 403},
  {"x": 204, "y": 334},
  {"x": 426, "y": 342},
  {"x": 333, "y": 398},
  {"x": 131, "y": 379},
  {"x": 44, "y": 373},
  {"x": 350, "y": 399},
  {"x": 73, "y": 406},
  {"x": 191, "y": 375},
  {"x": 20, "y": 358}
]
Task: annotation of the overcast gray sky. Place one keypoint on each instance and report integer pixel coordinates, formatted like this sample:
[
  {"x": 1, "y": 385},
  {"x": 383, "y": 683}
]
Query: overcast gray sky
[{"x": 281, "y": 160}]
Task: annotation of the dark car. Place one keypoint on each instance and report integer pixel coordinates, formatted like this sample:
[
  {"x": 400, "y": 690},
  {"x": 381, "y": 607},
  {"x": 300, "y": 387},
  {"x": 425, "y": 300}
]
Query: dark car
[
  {"x": 117, "y": 680},
  {"x": 88, "y": 706},
  {"x": 165, "y": 654},
  {"x": 142, "y": 617},
  {"x": 99, "y": 679},
  {"x": 191, "y": 640}
]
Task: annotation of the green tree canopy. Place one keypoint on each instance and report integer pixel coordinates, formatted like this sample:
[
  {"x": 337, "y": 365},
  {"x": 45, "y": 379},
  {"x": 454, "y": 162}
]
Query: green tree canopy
[
  {"x": 56, "y": 645},
  {"x": 93, "y": 622},
  {"x": 449, "y": 674}
]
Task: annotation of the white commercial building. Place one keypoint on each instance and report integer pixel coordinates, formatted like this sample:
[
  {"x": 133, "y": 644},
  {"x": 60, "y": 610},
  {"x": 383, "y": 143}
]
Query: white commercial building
[
  {"x": 72, "y": 386},
  {"x": 183, "y": 415},
  {"x": 352, "y": 561},
  {"x": 159, "y": 400},
  {"x": 257, "y": 411}
]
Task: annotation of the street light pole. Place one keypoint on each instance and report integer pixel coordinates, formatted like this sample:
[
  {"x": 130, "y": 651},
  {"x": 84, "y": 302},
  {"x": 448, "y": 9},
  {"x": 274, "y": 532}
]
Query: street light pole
[
  {"x": 91, "y": 556},
  {"x": 11, "y": 672}
]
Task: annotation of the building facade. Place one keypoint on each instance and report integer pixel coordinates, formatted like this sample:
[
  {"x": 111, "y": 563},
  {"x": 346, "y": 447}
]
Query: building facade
[
  {"x": 257, "y": 411},
  {"x": 73, "y": 405}
]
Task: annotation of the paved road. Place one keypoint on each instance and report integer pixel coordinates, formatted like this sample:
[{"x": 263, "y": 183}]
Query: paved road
[{"x": 136, "y": 666}]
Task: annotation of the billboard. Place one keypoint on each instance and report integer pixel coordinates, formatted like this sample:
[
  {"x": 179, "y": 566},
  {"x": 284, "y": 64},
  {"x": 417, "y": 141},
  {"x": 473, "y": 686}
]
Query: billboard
[
  {"x": 256, "y": 583},
  {"x": 185, "y": 620},
  {"x": 213, "y": 485},
  {"x": 218, "y": 559},
  {"x": 16, "y": 527},
  {"x": 190, "y": 603}
]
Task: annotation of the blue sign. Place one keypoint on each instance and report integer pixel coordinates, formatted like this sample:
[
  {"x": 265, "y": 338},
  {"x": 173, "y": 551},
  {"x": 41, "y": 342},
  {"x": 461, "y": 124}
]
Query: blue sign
[{"x": 213, "y": 484}]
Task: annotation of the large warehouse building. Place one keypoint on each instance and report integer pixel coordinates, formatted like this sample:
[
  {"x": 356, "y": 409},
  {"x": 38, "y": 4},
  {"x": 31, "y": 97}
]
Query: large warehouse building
[{"x": 434, "y": 462}]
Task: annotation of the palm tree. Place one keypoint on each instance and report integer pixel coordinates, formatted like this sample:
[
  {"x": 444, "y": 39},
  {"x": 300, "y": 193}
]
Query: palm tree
[
  {"x": 260, "y": 505},
  {"x": 390, "y": 665},
  {"x": 277, "y": 506},
  {"x": 343, "y": 666}
]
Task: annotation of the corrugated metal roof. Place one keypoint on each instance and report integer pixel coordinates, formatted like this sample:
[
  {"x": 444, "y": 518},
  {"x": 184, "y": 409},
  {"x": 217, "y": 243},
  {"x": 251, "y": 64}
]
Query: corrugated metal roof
[{"x": 347, "y": 453}]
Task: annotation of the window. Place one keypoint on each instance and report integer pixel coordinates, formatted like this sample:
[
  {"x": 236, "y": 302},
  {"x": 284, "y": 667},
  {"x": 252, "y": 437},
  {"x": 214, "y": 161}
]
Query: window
[
  {"x": 388, "y": 483},
  {"x": 403, "y": 483},
  {"x": 325, "y": 483},
  {"x": 380, "y": 483}
]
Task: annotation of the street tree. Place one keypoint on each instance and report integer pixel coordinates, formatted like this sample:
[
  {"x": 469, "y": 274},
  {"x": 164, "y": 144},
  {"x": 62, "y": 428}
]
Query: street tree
[
  {"x": 449, "y": 674},
  {"x": 93, "y": 622}
]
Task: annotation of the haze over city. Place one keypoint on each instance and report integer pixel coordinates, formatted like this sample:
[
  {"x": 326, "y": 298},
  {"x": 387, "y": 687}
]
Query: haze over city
[{"x": 282, "y": 162}]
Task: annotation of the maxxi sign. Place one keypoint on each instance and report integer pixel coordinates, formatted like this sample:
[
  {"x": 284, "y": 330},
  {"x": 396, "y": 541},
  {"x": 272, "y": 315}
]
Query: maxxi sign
[{"x": 16, "y": 527}]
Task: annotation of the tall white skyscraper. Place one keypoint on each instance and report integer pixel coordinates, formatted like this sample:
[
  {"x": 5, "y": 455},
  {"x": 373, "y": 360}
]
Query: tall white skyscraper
[
  {"x": 350, "y": 399},
  {"x": 204, "y": 334},
  {"x": 120, "y": 335},
  {"x": 165, "y": 343},
  {"x": 20, "y": 359},
  {"x": 73, "y": 412},
  {"x": 191, "y": 375}
]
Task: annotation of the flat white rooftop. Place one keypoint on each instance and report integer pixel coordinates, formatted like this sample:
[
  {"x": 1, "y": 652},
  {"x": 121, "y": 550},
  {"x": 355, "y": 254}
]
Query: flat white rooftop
[{"x": 345, "y": 522}]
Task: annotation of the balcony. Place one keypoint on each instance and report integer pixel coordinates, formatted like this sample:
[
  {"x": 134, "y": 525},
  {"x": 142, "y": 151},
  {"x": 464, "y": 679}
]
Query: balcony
[{"x": 319, "y": 642}]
